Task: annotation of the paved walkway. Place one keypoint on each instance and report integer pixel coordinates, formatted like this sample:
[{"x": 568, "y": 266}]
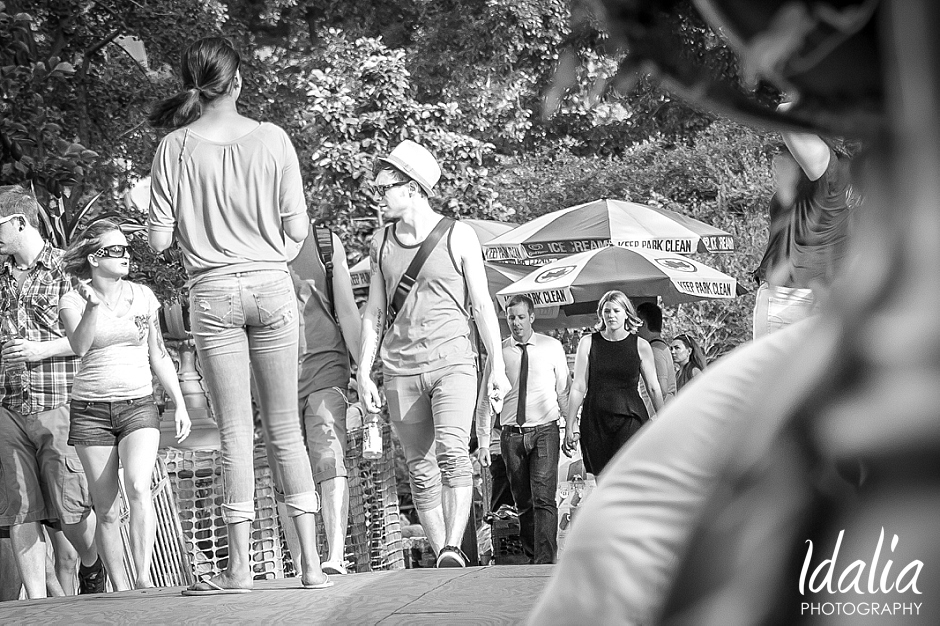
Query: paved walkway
[{"x": 502, "y": 594}]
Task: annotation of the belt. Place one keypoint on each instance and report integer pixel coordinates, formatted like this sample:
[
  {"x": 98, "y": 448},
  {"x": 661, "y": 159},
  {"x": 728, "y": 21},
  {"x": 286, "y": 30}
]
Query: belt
[{"x": 521, "y": 430}]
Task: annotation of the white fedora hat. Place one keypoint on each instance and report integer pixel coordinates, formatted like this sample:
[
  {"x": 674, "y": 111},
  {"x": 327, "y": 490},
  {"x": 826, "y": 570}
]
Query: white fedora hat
[{"x": 416, "y": 162}]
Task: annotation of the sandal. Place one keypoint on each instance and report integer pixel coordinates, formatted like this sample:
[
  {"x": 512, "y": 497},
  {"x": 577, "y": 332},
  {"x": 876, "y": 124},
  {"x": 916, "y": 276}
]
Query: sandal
[
  {"x": 212, "y": 589},
  {"x": 326, "y": 583}
]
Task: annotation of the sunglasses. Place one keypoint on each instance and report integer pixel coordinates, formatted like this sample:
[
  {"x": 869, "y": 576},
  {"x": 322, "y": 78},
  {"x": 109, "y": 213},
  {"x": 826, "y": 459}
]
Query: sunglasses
[
  {"x": 4, "y": 220},
  {"x": 114, "y": 252},
  {"x": 383, "y": 189}
]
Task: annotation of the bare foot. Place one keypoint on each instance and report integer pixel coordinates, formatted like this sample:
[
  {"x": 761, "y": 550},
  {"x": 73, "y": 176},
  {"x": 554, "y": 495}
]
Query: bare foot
[
  {"x": 314, "y": 579},
  {"x": 226, "y": 580}
]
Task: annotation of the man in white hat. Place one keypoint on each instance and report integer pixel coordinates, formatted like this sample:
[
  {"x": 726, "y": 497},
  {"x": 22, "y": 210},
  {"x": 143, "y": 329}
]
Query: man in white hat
[{"x": 427, "y": 353}]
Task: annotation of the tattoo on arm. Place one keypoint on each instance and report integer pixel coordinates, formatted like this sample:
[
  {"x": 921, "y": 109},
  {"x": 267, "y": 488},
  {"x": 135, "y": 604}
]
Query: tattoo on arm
[
  {"x": 374, "y": 253},
  {"x": 155, "y": 328}
]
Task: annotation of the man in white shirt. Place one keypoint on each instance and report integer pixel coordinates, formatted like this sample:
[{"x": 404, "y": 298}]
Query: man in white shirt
[{"x": 528, "y": 423}]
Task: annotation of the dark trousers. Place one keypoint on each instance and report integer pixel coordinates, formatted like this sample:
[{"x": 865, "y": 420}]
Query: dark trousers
[
  {"x": 500, "y": 494},
  {"x": 531, "y": 459}
]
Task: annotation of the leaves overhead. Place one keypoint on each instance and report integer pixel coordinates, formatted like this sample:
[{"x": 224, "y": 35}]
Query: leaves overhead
[{"x": 348, "y": 80}]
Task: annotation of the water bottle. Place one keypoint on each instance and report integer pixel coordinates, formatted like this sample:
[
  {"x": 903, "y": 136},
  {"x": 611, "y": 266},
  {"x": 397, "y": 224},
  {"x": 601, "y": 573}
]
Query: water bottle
[
  {"x": 372, "y": 441},
  {"x": 8, "y": 332}
]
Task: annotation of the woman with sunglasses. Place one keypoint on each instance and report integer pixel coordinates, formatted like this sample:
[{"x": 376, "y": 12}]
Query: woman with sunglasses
[
  {"x": 228, "y": 188},
  {"x": 688, "y": 357},
  {"x": 112, "y": 324}
]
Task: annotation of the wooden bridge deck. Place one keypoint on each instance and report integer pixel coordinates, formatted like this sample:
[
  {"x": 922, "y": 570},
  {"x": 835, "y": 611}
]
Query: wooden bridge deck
[{"x": 502, "y": 594}]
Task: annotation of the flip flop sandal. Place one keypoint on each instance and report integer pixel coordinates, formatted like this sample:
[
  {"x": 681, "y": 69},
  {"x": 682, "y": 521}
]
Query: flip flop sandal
[
  {"x": 332, "y": 567},
  {"x": 213, "y": 589},
  {"x": 326, "y": 583}
]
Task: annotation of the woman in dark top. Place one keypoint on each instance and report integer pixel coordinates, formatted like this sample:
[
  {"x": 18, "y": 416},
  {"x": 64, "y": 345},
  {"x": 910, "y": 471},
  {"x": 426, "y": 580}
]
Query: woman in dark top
[
  {"x": 688, "y": 357},
  {"x": 607, "y": 368}
]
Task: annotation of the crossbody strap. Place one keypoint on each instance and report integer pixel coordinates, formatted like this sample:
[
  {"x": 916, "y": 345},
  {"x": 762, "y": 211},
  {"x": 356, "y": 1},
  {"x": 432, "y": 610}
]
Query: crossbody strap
[
  {"x": 408, "y": 279},
  {"x": 324, "y": 241}
]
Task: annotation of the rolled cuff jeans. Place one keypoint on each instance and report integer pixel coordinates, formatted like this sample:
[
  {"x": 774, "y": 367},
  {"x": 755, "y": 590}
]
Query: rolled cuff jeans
[
  {"x": 431, "y": 413},
  {"x": 243, "y": 324}
]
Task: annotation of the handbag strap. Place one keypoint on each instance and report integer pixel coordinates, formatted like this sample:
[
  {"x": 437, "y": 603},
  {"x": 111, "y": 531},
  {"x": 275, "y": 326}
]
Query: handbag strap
[{"x": 408, "y": 279}]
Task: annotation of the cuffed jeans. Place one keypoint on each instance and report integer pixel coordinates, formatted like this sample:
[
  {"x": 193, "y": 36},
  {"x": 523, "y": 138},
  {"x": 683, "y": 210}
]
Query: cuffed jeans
[
  {"x": 531, "y": 459},
  {"x": 247, "y": 320},
  {"x": 431, "y": 413}
]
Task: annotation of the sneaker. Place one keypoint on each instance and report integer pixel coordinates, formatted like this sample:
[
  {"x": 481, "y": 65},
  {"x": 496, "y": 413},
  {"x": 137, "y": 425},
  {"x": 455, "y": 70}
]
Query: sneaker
[
  {"x": 451, "y": 556},
  {"x": 92, "y": 578}
]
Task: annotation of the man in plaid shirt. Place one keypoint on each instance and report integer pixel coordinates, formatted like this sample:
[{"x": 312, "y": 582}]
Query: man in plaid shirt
[{"x": 42, "y": 477}]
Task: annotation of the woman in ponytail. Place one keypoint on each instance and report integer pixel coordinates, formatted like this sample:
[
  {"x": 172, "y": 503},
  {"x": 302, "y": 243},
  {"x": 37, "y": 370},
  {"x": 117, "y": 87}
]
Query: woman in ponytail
[{"x": 228, "y": 189}]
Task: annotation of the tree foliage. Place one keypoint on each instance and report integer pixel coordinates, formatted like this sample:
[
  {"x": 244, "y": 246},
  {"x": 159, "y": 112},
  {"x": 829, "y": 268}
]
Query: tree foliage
[
  {"x": 348, "y": 80},
  {"x": 722, "y": 177}
]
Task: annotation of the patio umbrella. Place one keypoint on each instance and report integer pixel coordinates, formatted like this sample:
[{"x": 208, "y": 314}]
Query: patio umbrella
[
  {"x": 586, "y": 277},
  {"x": 607, "y": 222},
  {"x": 485, "y": 230},
  {"x": 359, "y": 274}
]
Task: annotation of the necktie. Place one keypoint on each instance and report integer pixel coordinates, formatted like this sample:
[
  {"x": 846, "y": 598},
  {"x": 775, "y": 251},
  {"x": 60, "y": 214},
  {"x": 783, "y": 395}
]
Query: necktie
[{"x": 523, "y": 382}]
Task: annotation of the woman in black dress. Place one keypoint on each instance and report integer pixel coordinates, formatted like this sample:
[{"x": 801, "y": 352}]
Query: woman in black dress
[{"x": 607, "y": 369}]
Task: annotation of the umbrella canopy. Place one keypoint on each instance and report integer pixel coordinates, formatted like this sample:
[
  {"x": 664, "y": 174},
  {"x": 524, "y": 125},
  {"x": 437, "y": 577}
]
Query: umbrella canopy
[
  {"x": 607, "y": 222},
  {"x": 359, "y": 273},
  {"x": 587, "y": 276},
  {"x": 502, "y": 275},
  {"x": 485, "y": 230}
]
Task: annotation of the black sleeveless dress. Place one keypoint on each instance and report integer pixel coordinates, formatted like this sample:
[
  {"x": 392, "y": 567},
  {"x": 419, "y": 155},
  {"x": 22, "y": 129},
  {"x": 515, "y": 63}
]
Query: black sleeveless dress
[{"x": 613, "y": 410}]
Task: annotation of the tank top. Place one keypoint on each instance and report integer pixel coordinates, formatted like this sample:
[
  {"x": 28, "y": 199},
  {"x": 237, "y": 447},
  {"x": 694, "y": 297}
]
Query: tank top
[
  {"x": 324, "y": 357},
  {"x": 432, "y": 329}
]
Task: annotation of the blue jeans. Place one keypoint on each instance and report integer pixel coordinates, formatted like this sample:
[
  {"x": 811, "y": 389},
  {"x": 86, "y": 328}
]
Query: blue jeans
[
  {"x": 531, "y": 459},
  {"x": 247, "y": 320}
]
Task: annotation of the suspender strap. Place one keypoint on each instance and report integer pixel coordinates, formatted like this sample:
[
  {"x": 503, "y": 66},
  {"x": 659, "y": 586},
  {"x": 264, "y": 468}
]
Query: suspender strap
[{"x": 408, "y": 279}]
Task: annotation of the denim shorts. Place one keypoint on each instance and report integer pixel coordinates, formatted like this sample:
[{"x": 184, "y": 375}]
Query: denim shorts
[{"x": 107, "y": 423}]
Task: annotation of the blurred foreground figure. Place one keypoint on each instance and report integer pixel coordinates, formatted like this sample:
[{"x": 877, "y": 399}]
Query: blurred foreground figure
[
  {"x": 783, "y": 538},
  {"x": 622, "y": 554},
  {"x": 809, "y": 230}
]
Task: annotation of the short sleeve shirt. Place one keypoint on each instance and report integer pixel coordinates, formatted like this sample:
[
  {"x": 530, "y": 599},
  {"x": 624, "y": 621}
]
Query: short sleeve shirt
[
  {"x": 225, "y": 201},
  {"x": 117, "y": 367},
  {"x": 808, "y": 240}
]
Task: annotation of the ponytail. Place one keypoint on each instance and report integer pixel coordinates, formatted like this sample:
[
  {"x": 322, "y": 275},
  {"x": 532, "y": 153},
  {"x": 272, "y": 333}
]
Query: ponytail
[
  {"x": 176, "y": 111},
  {"x": 209, "y": 67}
]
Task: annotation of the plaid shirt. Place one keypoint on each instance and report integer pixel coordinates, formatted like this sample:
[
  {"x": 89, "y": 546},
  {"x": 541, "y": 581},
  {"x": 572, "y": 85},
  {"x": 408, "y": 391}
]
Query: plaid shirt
[{"x": 46, "y": 384}]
